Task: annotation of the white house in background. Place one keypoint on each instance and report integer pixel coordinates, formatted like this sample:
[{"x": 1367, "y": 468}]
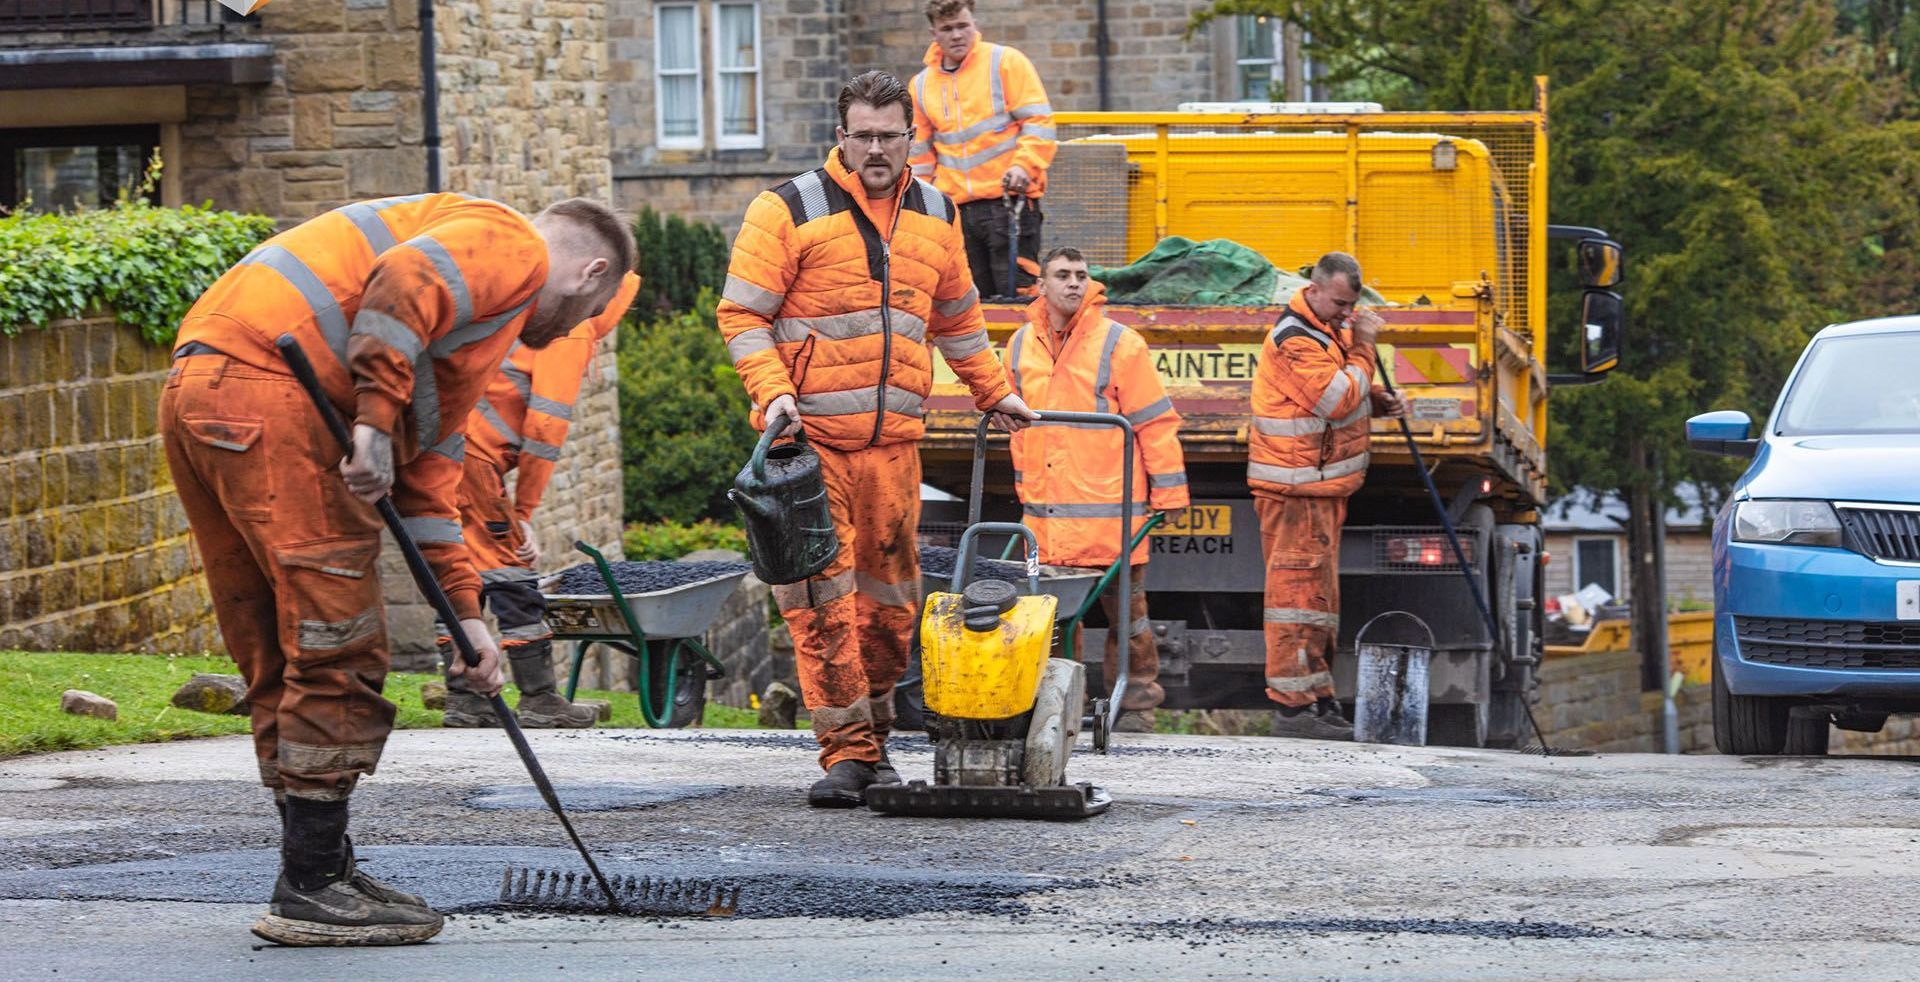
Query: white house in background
[{"x": 1587, "y": 539}]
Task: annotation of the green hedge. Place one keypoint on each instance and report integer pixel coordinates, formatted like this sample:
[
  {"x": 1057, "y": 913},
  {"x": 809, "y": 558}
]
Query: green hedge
[
  {"x": 683, "y": 418},
  {"x": 671, "y": 540},
  {"x": 148, "y": 264},
  {"x": 678, "y": 259}
]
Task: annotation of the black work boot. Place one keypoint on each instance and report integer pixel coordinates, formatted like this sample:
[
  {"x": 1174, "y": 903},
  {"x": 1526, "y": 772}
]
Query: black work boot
[
  {"x": 1315, "y": 722},
  {"x": 541, "y": 706},
  {"x": 321, "y": 900},
  {"x": 844, "y": 786},
  {"x": 883, "y": 772}
]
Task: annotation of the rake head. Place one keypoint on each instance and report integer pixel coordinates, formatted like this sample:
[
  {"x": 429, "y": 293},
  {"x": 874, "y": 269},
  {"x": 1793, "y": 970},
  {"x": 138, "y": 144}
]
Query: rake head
[{"x": 643, "y": 895}]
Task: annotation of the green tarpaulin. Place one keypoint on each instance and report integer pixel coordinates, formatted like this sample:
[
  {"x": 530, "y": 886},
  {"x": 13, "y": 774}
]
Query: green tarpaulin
[{"x": 1218, "y": 272}]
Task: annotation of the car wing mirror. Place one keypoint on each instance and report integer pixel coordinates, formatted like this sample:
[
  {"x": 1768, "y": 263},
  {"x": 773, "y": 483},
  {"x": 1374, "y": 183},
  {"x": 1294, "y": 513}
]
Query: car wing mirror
[{"x": 1726, "y": 433}]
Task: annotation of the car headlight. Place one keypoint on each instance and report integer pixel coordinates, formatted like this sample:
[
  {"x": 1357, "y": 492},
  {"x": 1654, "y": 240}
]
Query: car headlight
[{"x": 1801, "y": 523}]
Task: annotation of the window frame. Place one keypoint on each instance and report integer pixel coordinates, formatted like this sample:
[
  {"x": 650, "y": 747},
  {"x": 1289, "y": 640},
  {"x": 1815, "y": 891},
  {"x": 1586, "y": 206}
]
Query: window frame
[
  {"x": 1241, "y": 24},
  {"x": 758, "y": 139},
  {"x": 698, "y": 140},
  {"x": 145, "y": 135},
  {"x": 1613, "y": 549}
]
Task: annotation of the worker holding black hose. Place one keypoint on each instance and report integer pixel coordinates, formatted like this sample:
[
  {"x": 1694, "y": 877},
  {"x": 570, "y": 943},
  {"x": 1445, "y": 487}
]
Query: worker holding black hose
[
  {"x": 1313, "y": 397},
  {"x": 1068, "y": 357},
  {"x": 405, "y": 307}
]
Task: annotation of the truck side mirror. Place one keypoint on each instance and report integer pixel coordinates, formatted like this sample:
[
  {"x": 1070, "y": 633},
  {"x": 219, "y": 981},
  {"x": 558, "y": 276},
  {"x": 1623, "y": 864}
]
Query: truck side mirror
[
  {"x": 1600, "y": 264},
  {"x": 1603, "y": 319},
  {"x": 1727, "y": 432}
]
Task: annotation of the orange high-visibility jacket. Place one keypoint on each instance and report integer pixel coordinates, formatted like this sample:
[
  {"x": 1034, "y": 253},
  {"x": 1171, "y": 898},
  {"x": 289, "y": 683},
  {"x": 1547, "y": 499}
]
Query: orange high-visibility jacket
[
  {"x": 802, "y": 312},
  {"x": 972, "y": 123},
  {"x": 523, "y": 418},
  {"x": 1069, "y": 477},
  {"x": 1312, "y": 398},
  {"x": 405, "y": 306}
]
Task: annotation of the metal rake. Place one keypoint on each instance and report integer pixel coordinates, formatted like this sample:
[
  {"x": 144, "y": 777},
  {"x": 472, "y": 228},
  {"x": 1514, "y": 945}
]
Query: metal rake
[{"x": 643, "y": 895}]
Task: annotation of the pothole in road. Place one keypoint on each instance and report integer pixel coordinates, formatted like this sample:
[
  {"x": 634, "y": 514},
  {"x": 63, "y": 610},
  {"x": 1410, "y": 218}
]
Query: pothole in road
[
  {"x": 467, "y": 879},
  {"x": 1425, "y": 796},
  {"x": 589, "y": 797}
]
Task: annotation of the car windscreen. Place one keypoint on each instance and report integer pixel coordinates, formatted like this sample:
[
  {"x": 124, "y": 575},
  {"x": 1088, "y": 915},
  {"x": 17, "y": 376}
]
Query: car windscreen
[{"x": 1866, "y": 383}]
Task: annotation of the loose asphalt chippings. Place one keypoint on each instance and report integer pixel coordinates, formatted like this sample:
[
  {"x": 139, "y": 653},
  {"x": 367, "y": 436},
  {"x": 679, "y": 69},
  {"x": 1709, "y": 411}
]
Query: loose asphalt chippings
[
  {"x": 1422, "y": 796},
  {"x": 636, "y": 578},
  {"x": 1202, "y": 931},
  {"x": 938, "y": 561},
  {"x": 588, "y": 797}
]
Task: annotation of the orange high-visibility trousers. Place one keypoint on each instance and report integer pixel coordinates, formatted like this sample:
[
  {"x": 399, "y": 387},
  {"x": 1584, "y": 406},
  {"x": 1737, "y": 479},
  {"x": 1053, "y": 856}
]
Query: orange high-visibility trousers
[
  {"x": 1302, "y": 607},
  {"x": 852, "y": 624},
  {"x": 1143, "y": 656},
  {"x": 289, "y": 557}
]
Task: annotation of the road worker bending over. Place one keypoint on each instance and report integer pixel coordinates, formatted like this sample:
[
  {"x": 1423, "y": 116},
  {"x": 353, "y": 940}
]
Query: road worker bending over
[
  {"x": 520, "y": 423},
  {"x": 1068, "y": 357},
  {"x": 1313, "y": 395},
  {"x": 983, "y": 134},
  {"x": 406, "y": 307},
  {"x": 839, "y": 279}
]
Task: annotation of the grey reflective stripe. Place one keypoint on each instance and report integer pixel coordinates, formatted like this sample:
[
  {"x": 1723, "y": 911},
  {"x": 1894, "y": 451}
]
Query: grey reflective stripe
[
  {"x": 425, "y": 528},
  {"x": 1360, "y": 412},
  {"x": 450, "y": 273},
  {"x": 750, "y": 341},
  {"x": 958, "y": 305},
  {"x": 1291, "y": 319},
  {"x": 923, "y": 170},
  {"x": 935, "y": 201},
  {"x": 1028, "y": 112},
  {"x": 981, "y": 156},
  {"x": 1013, "y": 363},
  {"x": 1177, "y": 479},
  {"x": 463, "y": 335},
  {"x": 520, "y": 379},
  {"x": 1038, "y": 132},
  {"x": 331, "y": 635},
  {"x": 920, "y": 94},
  {"x": 1279, "y": 426},
  {"x": 1296, "y": 615},
  {"x": 919, "y": 148},
  {"x": 1105, "y": 375},
  {"x": 1151, "y": 411},
  {"x": 552, "y": 407},
  {"x": 453, "y": 447},
  {"x": 889, "y": 594},
  {"x": 491, "y": 414},
  {"x": 540, "y": 449},
  {"x": 426, "y": 399},
  {"x": 1337, "y": 390},
  {"x": 536, "y": 631},
  {"x": 757, "y": 299},
  {"x": 1300, "y": 683},
  {"x": 507, "y": 574},
  {"x": 390, "y": 331},
  {"x": 965, "y": 346},
  {"x": 813, "y": 196},
  {"x": 994, "y": 123},
  {"x": 999, "y": 86},
  {"x": 1274, "y": 474},
  {"x": 326, "y": 310},
  {"x": 366, "y": 218},
  {"x": 1082, "y": 511},
  {"x": 842, "y": 327},
  {"x": 858, "y": 401},
  {"x": 812, "y": 593}
]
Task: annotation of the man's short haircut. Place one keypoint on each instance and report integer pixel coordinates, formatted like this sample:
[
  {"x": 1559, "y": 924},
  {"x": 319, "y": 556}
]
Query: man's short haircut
[
  {"x": 878, "y": 89},
  {"x": 604, "y": 224},
  {"x": 1069, "y": 253},
  {"x": 1337, "y": 264},
  {"x": 939, "y": 10}
]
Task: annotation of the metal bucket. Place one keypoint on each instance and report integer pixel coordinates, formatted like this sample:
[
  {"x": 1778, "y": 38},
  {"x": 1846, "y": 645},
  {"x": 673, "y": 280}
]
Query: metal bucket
[{"x": 1390, "y": 703}]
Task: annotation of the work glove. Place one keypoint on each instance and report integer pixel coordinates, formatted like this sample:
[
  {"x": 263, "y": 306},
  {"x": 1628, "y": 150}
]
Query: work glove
[
  {"x": 369, "y": 470},
  {"x": 783, "y": 408},
  {"x": 485, "y": 677}
]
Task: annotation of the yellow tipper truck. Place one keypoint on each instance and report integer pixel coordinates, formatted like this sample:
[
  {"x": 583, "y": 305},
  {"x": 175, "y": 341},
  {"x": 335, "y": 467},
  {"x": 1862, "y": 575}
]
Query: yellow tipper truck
[{"x": 1446, "y": 213}]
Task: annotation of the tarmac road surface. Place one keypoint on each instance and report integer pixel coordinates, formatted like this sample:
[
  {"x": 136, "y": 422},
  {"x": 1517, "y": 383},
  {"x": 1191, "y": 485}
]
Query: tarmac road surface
[{"x": 1222, "y": 857}]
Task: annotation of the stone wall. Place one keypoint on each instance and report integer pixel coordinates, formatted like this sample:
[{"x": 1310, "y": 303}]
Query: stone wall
[{"x": 94, "y": 549}]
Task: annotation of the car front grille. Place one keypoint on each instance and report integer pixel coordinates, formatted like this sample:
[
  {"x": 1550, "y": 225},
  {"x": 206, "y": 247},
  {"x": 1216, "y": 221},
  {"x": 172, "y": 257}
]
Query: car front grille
[
  {"x": 1862, "y": 645},
  {"x": 1883, "y": 533}
]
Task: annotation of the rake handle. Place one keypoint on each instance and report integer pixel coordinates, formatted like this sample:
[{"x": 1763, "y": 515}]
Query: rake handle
[{"x": 296, "y": 359}]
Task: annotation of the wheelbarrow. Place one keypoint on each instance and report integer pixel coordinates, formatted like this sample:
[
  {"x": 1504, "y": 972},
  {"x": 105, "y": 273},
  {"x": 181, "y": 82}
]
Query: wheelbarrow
[{"x": 660, "y": 629}]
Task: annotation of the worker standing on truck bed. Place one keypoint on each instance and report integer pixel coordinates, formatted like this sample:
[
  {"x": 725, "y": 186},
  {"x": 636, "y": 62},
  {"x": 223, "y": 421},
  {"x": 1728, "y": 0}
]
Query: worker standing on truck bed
[
  {"x": 839, "y": 278},
  {"x": 1313, "y": 395},
  {"x": 983, "y": 133},
  {"x": 405, "y": 307},
  {"x": 519, "y": 425},
  {"x": 1068, "y": 357}
]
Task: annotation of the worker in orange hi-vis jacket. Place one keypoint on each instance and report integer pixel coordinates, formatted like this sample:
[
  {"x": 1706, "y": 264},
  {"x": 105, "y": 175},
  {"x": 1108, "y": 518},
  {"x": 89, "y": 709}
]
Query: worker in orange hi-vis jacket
[
  {"x": 839, "y": 279},
  {"x": 519, "y": 425},
  {"x": 1313, "y": 395},
  {"x": 1068, "y": 357},
  {"x": 983, "y": 134},
  {"x": 405, "y": 306}
]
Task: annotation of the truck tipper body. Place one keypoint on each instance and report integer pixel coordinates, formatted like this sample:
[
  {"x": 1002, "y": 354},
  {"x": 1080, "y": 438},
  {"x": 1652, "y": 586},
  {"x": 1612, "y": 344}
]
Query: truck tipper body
[{"x": 1445, "y": 212}]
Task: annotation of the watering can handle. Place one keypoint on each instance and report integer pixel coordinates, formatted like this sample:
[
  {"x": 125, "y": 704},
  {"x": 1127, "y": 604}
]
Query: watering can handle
[{"x": 758, "y": 463}]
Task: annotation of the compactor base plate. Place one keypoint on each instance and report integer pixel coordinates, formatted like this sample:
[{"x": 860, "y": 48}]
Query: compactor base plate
[{"x": 918, "y": 799}]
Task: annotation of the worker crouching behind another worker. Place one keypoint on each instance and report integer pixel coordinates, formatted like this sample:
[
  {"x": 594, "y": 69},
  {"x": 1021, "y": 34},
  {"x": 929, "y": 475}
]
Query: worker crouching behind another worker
[
  {"x": 406, "y": 307},
  {"x": 839, "y": 278},
  {"x": 1068, "y": 357},
  {"x": 1313, "y": 396}
]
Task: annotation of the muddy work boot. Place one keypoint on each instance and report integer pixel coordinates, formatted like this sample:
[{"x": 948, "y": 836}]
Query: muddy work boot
[
  {"x": 541, "y": 706},
  {"x": 1134, "y": 721},
  {"x": 322, "y": 900},
  {"x": 1320, "y": 721},
  {"x": 844, "y": 786},
  {"x": 883, "y": 772}
]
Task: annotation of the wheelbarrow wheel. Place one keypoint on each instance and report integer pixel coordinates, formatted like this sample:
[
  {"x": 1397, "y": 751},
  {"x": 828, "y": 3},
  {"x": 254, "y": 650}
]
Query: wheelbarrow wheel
[
  {"x": 689, "y": 692},
  {"x": 909, "y": 699}
]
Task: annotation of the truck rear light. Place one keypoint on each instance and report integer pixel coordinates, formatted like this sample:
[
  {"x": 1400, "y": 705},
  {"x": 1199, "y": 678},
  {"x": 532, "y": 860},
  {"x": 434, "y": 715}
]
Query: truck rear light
[{"x": 1419, "y": 550}]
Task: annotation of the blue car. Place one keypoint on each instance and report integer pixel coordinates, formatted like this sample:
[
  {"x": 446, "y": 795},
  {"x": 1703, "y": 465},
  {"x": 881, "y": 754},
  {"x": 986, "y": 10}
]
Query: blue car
[{"x": 1816, "y": 557}]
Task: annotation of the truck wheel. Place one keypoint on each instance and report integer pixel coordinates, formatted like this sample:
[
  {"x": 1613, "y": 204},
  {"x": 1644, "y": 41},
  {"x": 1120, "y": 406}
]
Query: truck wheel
[{"x": 1748, "y": 726}]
